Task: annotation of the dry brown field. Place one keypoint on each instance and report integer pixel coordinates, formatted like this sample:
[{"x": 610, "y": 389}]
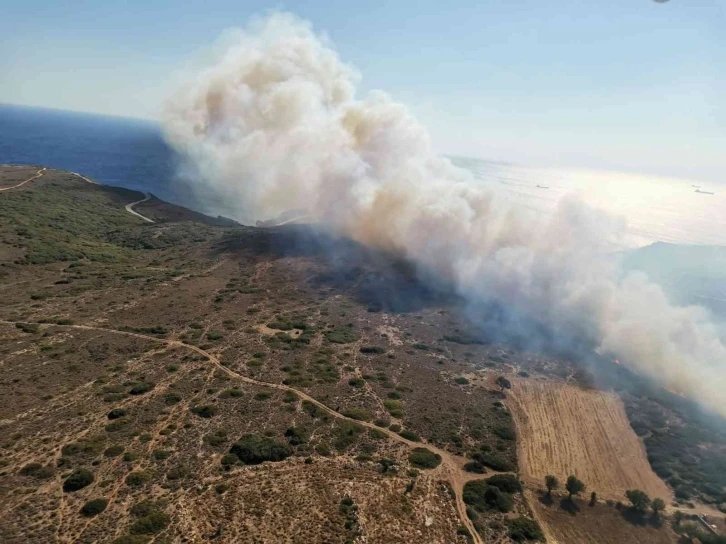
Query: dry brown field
[{"x": 568, "y": 430}]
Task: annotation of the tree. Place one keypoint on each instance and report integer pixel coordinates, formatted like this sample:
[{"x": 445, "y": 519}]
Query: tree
[
  {"x": 523, "y": 529},
  {"x": 678, "y": 518},
  {"x": 253, "y": 449},
  {"x": 658, "y": 505},
  {"x": 593, "y": 498},
  {"x": 94, "y": 507},
  {"x": 424, "y": 458},
  {"x": 638, "y": 498},
  {"x": 574, "y": 486},
  {"x": 552, "y": 483},
  {"x": 505, "y": 482},
  {"x": 78, "y": 479},
  {"x": 504, "y": 383}
]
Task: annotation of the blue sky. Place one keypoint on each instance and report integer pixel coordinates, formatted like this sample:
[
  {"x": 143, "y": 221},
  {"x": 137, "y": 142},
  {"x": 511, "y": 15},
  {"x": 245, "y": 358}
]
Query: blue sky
[{"x": 630, "y": 85}]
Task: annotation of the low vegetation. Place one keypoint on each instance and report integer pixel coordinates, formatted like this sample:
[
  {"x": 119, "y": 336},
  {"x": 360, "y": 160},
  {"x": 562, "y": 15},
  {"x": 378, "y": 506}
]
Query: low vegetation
[
  {"x": 424, "y": 458},
  {"x": 78, "y": 479},
  {"x": 523, "y": 529},
  {"x": 254, "y": 449},
  {"x": 94, "y": 507},
  {"x": 484, "y": 497}
]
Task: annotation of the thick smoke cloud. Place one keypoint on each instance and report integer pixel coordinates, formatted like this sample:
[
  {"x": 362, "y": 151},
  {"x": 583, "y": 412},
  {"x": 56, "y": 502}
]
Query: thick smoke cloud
[{"x": 272, "y": 124}]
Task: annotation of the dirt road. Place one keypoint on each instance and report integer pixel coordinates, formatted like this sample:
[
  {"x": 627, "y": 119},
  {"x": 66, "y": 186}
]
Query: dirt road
[
  {"x": 130, "y": 208},
  {"x": 36, "y": 176}
]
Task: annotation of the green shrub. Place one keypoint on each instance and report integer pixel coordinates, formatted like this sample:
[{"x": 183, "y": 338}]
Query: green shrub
[
  {"x": 505, "y": 482},
  {"x": 372, "y": 350},
  {"x": 114, "y": 451},
  {"x": 231, "y": 393},
  {"x": 36, "y": 470},
  {"x": 154, "y": 523},
  {"x": 377, "y": 435},
  {"x": 410, "y": 435},
  {"x": 357, "y": 413},
  {"x": 30, "y": 469},
  {"x": 143, "y": 508},
  {"x": 216, "y": 439},
  {"x": 494, "y": 461},
  {"x": 475, "y": 467},
  {"x": 137, "y": 478},
  {"x": 206, "y": 411},
  {"x": 229, "y": 459},
  {"x": 505, "y": 432},
  {"x": 522, "y": 529},
  {"x": 141, "y": 388},
  {"x": 116, "y": 413},
  {"x": 394, "y": 407},
  {"x": 483, "y": 497},
  {"x": 253, "y": 449},
  {"x": 311, "y": 408},
  {"x": 424, "y": 458},
  {"x": 30, "y": 328},
  {"x": 461, "y": 380},
  {"x": 78, "y": 479},
  {"x": 160, "y": 455},
  {"x": 116, "y": 425},
  {"x": 346, "y": 434},
  {"x": 94, "y": 507},
  {"x": 172, "y": 398},
  {"x": 177, "y": 473},
  {"x": 341, "y": 335},
  {"x": 91, "y": 446},
  {"x": 296, "y": 436}
]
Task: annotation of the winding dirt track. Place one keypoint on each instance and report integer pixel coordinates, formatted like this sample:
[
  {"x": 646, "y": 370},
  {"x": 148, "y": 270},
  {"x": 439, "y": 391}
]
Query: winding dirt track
[
  {"x": 130, "y": 208},
  {"x": 36, "y": 176},
  {"x": 451, "y": 466}
]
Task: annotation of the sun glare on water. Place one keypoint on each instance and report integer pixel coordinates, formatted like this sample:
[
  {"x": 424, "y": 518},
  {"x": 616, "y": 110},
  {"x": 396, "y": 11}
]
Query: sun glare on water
[{"x": 655, "y": 209}]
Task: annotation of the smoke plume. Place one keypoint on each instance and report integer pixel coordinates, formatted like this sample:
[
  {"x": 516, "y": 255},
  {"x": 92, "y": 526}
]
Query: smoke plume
[{"x": 272, "y": 123}]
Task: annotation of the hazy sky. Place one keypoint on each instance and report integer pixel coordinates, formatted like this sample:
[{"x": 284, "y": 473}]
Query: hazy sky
[{"x": 630, "y": 85}]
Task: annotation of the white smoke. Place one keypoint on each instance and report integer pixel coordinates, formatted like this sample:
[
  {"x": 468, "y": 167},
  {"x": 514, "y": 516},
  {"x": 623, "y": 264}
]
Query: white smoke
[{"x": 273, "y": 124}]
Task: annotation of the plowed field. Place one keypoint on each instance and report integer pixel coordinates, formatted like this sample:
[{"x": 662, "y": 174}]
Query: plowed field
[{"x": 567, "y": 430}]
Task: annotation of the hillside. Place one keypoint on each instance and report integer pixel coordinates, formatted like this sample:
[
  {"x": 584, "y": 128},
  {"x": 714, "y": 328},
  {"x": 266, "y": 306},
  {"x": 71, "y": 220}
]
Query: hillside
[{"x": 192, "y": 380}]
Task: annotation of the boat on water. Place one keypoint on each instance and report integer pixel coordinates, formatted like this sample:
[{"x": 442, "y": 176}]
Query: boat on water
[
  {"x": 704, "y": 192},
  {"x": 542, "y": 187},
  {"x": 696, "y": 186}
]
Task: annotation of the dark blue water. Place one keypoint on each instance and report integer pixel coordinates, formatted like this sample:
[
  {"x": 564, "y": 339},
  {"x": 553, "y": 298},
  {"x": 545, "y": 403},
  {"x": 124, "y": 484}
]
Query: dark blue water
[{"x": 116, "y": 151}]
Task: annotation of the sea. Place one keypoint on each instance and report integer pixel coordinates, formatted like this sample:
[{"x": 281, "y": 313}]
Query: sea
[
  {"x": 117, "y": 151},
  {"x": 132, "y": 153}
]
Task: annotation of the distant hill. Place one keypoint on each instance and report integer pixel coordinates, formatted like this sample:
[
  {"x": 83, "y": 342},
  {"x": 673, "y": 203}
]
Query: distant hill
[{"x": 690, "y": 274}]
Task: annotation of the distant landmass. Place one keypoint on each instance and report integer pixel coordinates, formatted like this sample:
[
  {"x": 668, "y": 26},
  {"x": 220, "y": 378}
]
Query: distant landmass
[{"x": 689, "y": 274}]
